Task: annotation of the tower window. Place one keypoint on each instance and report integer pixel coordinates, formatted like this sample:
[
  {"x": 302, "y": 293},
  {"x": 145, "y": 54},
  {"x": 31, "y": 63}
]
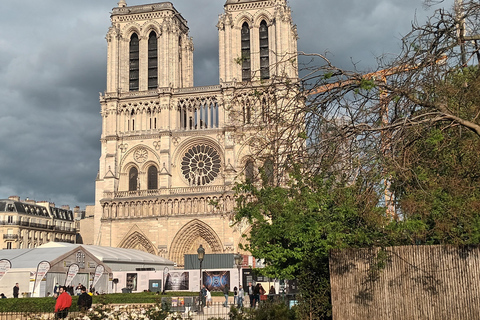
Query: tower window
[
  {"x": 246, "y": 65},
  {"x": 152, "y": 178},
  {"x": 152, "y": 61},
  {"x": 134, "y": 62},
  {"x": 133, "y": 179},
  {"x": 264, "y": 51}
]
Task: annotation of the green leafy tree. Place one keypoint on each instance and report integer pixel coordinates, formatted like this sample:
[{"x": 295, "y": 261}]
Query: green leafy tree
[{"x": 294, "y": 228}]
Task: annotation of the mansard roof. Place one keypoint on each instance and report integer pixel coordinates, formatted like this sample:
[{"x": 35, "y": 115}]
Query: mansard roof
[{"x": 7, "y": 205}]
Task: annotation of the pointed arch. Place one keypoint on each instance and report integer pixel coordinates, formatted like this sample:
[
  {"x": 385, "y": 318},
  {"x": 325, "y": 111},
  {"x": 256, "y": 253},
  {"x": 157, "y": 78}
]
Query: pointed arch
[
  {"x": 188, "y": 239},
  {"x": 135, "y": 239},
  {"x": 262, "y": 15}
]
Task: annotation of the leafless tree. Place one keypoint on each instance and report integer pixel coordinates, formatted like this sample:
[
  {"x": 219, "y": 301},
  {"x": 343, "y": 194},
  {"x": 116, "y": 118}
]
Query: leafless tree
[{"x": 350, "y": 122}]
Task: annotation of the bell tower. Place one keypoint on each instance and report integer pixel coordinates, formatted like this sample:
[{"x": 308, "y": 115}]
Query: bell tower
[
  {"x": 257, "y": 41},
  {"x": 148, "y": 48}
]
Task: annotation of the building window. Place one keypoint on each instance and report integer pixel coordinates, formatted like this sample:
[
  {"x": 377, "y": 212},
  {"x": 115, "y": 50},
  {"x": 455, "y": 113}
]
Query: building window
[
  {"x": 264, "y": 51},
  {"x": 152, "y": 61},
  {"x": 152, "y": 178},
  {"x": 10, "y": 219},
  {"x": 268, "y": 172},
  {"x": 249, "y": 171},
  {"x": 134, "y": 62},
  {"x": 132, "y": 179},
  {"x": 245, "y": 58},
  {"x": 201, "y": 165},
  {"x": 9, "y": 245}
]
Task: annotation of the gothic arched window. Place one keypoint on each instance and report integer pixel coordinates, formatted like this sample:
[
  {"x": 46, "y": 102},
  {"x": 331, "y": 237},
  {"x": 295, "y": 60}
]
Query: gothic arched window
[
  {"x": 249, "y": 171},
  {"x": 264, "y": 51},
  {"x": 152, "y": 178},
  {"x": 268, "y": 172},
  {"x": 152, "y": 61},
  {"x": 246, "y": 66},
  {"x": 132, "y": 179},
  {"x": 134, "y": 63}
]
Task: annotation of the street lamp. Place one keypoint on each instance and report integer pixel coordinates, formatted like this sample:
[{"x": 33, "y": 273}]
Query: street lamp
[
  {"x": 238, "y": 262},
  {"x": 201, "y": 255}
]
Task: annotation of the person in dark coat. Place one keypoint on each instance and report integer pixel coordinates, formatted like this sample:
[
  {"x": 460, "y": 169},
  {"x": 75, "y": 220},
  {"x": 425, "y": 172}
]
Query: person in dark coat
[
  {"x": 251, "y": 295},
  {"x": 16, "y": 290},
  {"x": 256, "y": 295},
  {"x": 84, "y": 301},
  {"x": 225, "y": 293}
]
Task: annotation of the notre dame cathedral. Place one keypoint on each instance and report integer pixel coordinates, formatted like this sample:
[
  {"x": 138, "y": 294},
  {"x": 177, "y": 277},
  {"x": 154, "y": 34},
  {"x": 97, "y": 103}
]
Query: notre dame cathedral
[{"x": 171, "y": 152}]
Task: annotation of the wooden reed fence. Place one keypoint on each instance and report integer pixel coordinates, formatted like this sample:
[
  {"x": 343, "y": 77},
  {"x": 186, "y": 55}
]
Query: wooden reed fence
[{"x": 407, "y": 282}]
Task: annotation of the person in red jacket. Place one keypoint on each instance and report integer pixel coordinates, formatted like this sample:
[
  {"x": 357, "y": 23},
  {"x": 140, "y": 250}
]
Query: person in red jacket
[{"x": 64, "y": 301}]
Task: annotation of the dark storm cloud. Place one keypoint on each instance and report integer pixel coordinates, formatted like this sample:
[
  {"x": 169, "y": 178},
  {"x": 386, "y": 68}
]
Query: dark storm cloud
[{"x": 53, "y": 64}]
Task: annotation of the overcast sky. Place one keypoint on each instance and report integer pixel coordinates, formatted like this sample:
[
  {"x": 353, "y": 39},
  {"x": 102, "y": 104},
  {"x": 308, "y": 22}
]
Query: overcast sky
[{"x": 53, "y": 65}]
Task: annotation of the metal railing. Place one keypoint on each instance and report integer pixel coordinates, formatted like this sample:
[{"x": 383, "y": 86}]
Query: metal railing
[
  {"x": 38, "y": 226},
  {"x": 10, "y": 236},
  {"x": 191, "y": 309}
]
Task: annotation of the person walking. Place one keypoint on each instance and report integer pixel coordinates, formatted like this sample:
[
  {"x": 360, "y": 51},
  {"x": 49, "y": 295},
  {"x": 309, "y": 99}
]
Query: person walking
[
  {"x": 241, "y": 293},
  {"x": 63, "y": 304},
  {"x": 225, "y": 292},
  {"x": 84, "y": 301},
  {"x": 209, "y": 299},
  {"x": 16, "y": 290},
  {"x": 203, "y": 292},
  {"x": 250, "y": 294},
  {"x": 235, "y": 292},
  {"x": 256, "y": 295}
]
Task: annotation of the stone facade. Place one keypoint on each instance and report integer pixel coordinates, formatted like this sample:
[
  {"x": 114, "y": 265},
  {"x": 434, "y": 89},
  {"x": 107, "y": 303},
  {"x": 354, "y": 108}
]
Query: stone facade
[{"x": 171, "y": 152}]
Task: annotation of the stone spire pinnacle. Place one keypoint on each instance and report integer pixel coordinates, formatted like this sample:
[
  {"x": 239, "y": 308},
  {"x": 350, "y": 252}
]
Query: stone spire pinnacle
[{"x": 122, "y": 4}]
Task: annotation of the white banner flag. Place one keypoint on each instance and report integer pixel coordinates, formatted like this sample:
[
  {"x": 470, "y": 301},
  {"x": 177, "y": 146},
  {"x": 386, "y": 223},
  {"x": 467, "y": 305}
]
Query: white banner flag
[
  {"x": 42, "y": 270},
  {"x": 72, "y": 272},
  {"x": 5, "y": 265},
  {"x": 98, "y": 273}
]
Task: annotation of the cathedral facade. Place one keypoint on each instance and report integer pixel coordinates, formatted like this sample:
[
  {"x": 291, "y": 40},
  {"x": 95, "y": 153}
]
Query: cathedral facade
[{"x": 172, "y": 152}]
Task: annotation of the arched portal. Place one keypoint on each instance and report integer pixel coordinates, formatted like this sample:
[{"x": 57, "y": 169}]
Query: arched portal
[
  {"x": 136, "y": 240},
  {"x": 189, "y": 238}
]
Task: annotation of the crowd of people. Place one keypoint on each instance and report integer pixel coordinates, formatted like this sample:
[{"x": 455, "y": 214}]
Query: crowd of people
[
  {"x": 64, "y": 295},
  {"x": 254, "y": 293}
]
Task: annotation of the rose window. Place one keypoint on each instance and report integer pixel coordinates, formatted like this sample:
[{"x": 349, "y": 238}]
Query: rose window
[
  {"x": 140, "y": 155},
  {"x": 200, "y": 165}
]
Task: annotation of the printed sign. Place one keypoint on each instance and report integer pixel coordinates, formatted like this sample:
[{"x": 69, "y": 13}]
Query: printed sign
[
  {"x": 98, "y": 273},
  {"x": 72, "y": 272},
  {"x": 42, "y": 270}
]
